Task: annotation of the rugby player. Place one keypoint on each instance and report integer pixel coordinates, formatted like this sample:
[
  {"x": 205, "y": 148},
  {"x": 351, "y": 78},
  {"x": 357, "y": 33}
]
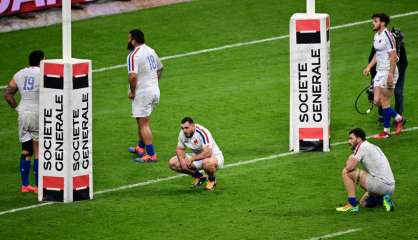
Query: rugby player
[
  {"x": 376, "y": 178},
  {"x": 144, "y": 72},
  {"x": 205, "y": 154},
  {"x": 384, "y": 82},
  {"x": 26, "y": 82}
]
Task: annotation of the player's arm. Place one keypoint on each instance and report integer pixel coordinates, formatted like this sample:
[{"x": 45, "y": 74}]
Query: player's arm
[
  {"x": 393, "y": 58},
  {"x": 181, "y": 153},
  {"x": 132, "y": 84},
  {"x": 159, "y": 68},
  {"x": 206, "y": 153},
  {"x": 159, "y": 73},
  {"x": 350, "y": 164},
  {"x": 371, "y": 64},
  {"x": 9, "y": 93},
  {"x": 181, "y": 156}
]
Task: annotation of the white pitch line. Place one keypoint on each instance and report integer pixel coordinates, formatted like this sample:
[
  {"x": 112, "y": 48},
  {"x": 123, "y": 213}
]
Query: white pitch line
[
  {"x": 235, "y": 45},
  {"x": 152, "y": 181},
  {"x": 336, "y": 234}
]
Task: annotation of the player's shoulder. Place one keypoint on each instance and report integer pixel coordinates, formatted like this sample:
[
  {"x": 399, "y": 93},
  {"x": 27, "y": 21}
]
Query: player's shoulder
[
  {"x": 18, "y": 75},
  {"x": 203, "y": 130},
  {"x": 181, "y": 135},
  {"x": 200, "y": 127},
  {"x": 366, "y": 146},
  {"x": 21, "y": 71},
  {"x": 134, "y": 53}
]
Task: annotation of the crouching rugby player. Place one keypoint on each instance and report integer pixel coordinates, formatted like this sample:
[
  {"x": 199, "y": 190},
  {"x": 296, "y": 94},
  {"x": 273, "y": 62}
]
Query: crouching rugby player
[
  {"x": 376, "y": 178},
  {"x": 206, "y": 154}
]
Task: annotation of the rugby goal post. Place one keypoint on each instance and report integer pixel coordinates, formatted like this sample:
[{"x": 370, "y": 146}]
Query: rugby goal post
[
  {"x": 310, "y": 100},
  {"x": 65, "y": 124}
]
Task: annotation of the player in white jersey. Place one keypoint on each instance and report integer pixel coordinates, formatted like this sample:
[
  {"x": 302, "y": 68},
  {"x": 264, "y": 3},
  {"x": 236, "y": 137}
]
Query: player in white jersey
[
  {"x": 384, "y": 82},
  {"x": 376, "y": 178},
  {"x": 26, "y": 81},
  {"x": 144, "y": 72},
  {"x": 205, "y": 154}
]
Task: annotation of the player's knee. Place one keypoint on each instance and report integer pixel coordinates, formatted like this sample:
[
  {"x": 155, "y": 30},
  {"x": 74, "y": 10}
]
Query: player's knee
[
  {"x": 173, "y": 163},
  {"x": 27, "y": 149},
  {"x": 209, "y": 166},
  {"x": 143, "y": 121}
]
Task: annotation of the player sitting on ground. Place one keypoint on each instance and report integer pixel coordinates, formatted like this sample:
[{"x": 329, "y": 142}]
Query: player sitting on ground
[
  {"x": 206, "y": 154},
  {"x": 376, "y": 178},
  {"x": 26, "y": 81}
]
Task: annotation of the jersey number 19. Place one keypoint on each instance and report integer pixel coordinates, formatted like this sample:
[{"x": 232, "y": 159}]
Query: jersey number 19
[{"x": 29, "y": 83}]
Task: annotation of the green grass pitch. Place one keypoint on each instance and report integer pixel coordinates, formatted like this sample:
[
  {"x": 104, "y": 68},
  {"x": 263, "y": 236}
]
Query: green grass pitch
[{"x": 241, "y": 95}]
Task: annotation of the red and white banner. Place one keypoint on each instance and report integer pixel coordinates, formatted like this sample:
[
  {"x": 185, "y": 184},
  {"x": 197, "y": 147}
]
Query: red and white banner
[
  {"x": 309, "y": 82},
  {"x": 65, "y": 131},
  {"x": 12, "y": 7}
]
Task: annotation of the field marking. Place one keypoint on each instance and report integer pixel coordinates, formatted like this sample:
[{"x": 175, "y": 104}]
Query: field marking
[
  {"x": 336, "y": 234},
  {"x": 240, "y": 44},
  {"x": 157, "y": 180}
]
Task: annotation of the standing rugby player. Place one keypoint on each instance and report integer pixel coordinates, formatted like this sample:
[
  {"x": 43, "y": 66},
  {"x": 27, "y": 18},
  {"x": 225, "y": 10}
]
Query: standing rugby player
[
  {"x": 384, "y": 82},
  {"x": 144, "y": 72},
  {"x": 26, "y": 82}
]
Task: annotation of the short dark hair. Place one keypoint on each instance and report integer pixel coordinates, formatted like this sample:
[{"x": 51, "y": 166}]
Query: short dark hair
[
  {"x": 187, "y": 119},
  {"x": 138, "y": 35},
  {"x": 358, "y": 132},
  {"x": 383, "y": 18},
  {"x": 36, "y": 57}
]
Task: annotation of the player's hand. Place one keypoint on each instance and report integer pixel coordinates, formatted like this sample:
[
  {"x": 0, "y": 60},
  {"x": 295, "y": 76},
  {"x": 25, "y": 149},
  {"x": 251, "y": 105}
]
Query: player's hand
[
  {"x": 131, "y": 95},
  {"x": 183, "y": 164},
  {"x": 189, "y": 162},
  {"x": 390, "y": 80},
  {"x": 366, "y": 71}
]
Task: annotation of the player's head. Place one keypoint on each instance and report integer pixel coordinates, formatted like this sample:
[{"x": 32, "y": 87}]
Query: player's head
[
  {"x": 380, "y": 21},
  {"x": 187, "y": 126},
  {"x": 356, "y": 136},
  {"x": 135, "y": 38},
  {"x": 35, "y": 58}
]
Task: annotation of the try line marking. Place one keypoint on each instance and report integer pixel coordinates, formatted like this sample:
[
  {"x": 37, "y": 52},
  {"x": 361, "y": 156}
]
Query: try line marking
[
  {"x": 240, "y": 44},
  {"x": 336, "y": 234},
  {"x": 165, "y": 179}
]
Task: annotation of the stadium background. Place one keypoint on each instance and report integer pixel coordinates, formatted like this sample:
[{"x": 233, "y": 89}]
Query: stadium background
[{"x": 241, "y": 94}]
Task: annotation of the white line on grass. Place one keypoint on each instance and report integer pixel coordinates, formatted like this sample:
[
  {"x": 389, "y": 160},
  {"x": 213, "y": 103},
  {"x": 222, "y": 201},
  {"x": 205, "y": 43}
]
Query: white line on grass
[
  {"x": 235, "y": 45},
  {"x": 152, "y": 181},
  {"x": 336, "y": 234}
]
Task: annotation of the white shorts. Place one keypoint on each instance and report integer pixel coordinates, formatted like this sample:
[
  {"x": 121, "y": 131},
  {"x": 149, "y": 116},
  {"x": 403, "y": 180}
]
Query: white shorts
[
  {"x": 377, "y": 187},
  {"x": 199, "y": 164},
  {"x": 380, "y": 80},
  {"x": 28, "y": 126},
  {"x": 144, "y": 103}
]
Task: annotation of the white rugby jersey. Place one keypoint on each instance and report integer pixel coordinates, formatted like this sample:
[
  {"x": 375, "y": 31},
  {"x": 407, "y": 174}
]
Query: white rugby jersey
[
  {"x": 144, "y": 62},
  {"x": 27, "y": 81},
  {"x": 374, "y": 162},
  {"x": 201, "y": 138},
  {"x": 384, "y": 44}
]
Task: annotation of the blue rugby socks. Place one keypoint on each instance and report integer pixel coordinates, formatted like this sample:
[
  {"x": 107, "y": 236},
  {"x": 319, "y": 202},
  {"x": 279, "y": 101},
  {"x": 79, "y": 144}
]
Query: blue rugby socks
[
  {"x": 141, "y": 143},
  {"x": 24, "y": 171},
  {"x": 353, "y": 201},
  {"x": 150, "y": 149},
  {"x": 35, "y": 171}
]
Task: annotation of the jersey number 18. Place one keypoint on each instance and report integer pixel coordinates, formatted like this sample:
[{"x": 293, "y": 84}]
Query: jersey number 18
[{"x": 152, "y": 63}]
